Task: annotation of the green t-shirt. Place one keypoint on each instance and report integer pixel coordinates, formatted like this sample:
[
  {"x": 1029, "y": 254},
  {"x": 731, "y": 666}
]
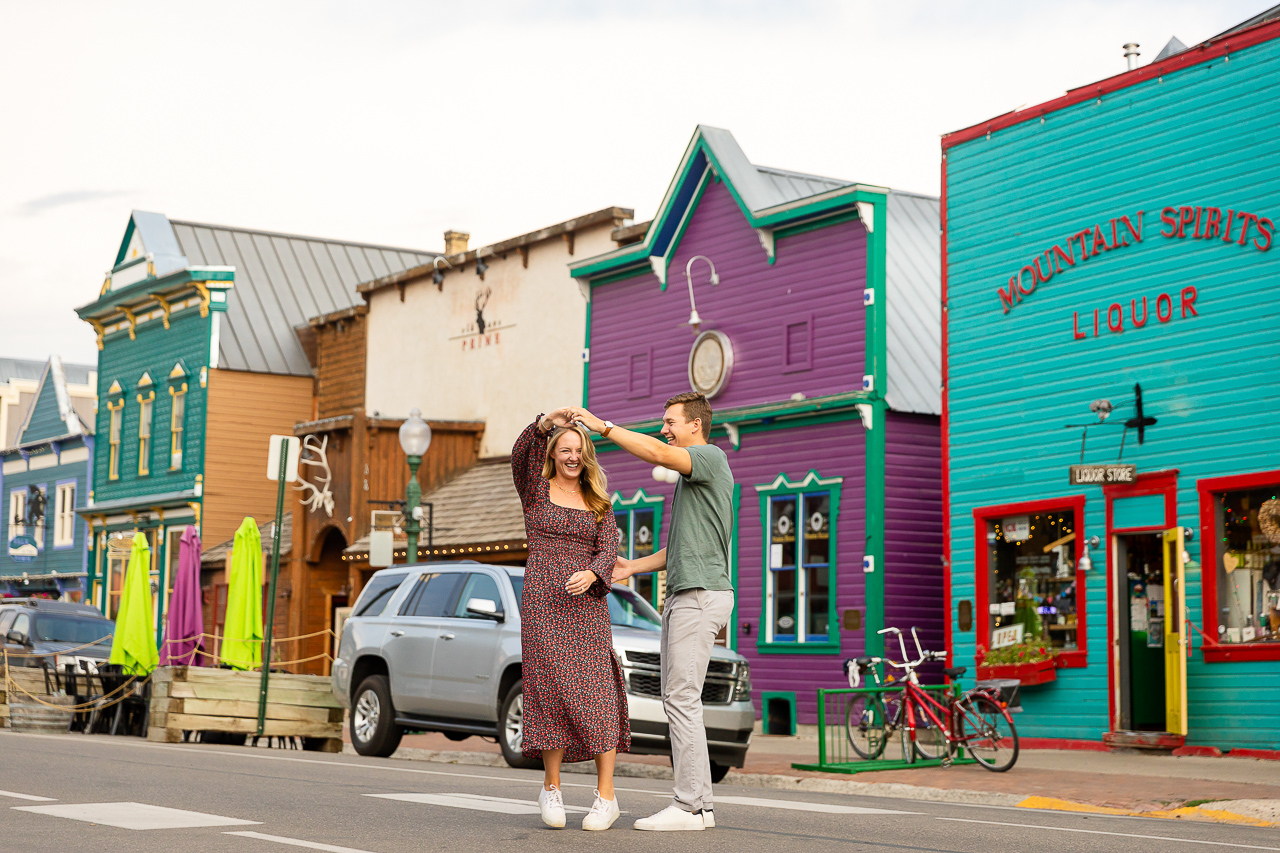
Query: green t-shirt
[{"x": 701, "y": 523}]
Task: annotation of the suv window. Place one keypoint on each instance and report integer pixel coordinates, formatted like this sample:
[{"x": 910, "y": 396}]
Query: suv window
[
  {"x": 478, "y": 586},
  {"x": 628, "y": 609},
  {"x": 22, "y": 625},
  {"x": 374, "y": 597},
  {"x": 434, "y": 595},
  {"x": 73, "y": 629},
  {"x": 6, "y": 619}
]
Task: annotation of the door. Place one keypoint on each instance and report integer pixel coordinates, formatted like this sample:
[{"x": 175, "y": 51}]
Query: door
[
  {"x": 463, "y": 684},
  {"x": 1175, "y": 634},
  {"x": 411, "y": 639}
]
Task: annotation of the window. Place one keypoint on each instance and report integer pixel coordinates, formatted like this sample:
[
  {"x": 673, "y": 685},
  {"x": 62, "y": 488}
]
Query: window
[
  {"x": 64, "y": 526},
  {"x": 478, "y": 586},
  {"x": 1028, "y": 576},
  {"x": 113, "y": 452},
  {"x": 17, "y": 512},
  {"x": 37, "y": 511},
  {"x": 374, "y": 597},
  {"x": 22, "y": 624},
  {"x": 800, "y": 564},
  {"x": 6, "y": 619},
  {"x": 177, "y": 417},
  {"x": 639, "y": 523},
  {"x": 433, "y": 595},
  {"x": 1240, "y": 555},
  {"x": 144, "y": 436}
]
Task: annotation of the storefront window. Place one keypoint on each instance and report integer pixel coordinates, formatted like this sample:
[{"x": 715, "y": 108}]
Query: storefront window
[
  {"x": 639, "y": 521},
  {"x": 1032, "y": 579},
  {"x": 1247, "y": 566},
  {"x": 799, "y": 561}
]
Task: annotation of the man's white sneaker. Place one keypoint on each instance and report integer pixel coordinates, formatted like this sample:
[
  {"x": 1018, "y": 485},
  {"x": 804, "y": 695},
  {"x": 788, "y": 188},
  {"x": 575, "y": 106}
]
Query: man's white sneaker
[
  {"x": 551, "y": 805},
  {"x": 708, "y": 818},
  {"x": 671, "y": 819},
  {"x": 602, "y": 815}
]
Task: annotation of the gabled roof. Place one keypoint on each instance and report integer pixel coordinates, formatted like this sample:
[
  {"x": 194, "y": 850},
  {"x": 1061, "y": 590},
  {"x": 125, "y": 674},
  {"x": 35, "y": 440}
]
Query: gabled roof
[
  {"x": 33, "y": 370},
  {"x": 769, "y": 198},
  {"x": 281, "y": 280},
  {"x": 51, "y": 414}
]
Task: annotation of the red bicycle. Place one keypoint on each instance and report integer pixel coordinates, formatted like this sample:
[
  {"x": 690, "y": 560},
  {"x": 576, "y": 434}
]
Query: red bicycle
[{"x": 977, "y": 720}]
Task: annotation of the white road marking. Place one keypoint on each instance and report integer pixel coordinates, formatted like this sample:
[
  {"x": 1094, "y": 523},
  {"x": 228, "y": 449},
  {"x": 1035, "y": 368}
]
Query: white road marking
[
  {"x": 1102, "y": 832},
  {"x": 801, "y": 807},
  {"x": 475, "y": 802},
  {"x": 135, "y": 815},
  {"x": 30, "y": 797},
  {"x": 297, "y": 842}
]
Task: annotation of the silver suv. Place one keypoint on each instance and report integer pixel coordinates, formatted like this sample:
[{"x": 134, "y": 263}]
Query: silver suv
[{"x": 436, "y": 648}]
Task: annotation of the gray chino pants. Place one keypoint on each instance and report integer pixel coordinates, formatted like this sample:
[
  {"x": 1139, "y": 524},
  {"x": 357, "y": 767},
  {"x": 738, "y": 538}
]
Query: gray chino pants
[{"x": 691, "y": 619}]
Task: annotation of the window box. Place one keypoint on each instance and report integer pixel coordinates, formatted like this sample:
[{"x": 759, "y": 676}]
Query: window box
[{"x": 1030, "y": 674}]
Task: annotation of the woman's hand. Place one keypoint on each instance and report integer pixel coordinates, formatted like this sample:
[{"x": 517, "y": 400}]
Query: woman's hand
[
  {"x": 558, "y": 418},
  {"x": 580, "y": 582}
]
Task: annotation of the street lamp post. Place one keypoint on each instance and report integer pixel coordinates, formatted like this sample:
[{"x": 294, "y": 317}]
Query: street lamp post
[{"x": 415, "y": 438}]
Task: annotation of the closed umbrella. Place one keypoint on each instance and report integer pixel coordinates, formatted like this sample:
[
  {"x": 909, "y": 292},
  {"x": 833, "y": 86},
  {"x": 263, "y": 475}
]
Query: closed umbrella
[
  {"x": 242, "y": 640},
  {"x": 134, "y": 644},
  {"x": 184, "y": 623}
]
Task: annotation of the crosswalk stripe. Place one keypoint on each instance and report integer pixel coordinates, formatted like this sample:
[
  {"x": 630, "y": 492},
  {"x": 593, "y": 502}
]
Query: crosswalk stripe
[
  {"x": 792, "y": 805},
  {"x": 475, "y": 802},
  {"x": 296, "y": 842},
  {"x": 30, "y": 797},
  {"x": 134, "y": 815}
]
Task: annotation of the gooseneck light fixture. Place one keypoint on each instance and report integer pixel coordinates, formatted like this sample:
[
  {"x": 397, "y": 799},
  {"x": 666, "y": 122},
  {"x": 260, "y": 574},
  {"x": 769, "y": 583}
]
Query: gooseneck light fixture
[
  {"x": 437, "y": 277},
  {"x": 694, "y": 320}
]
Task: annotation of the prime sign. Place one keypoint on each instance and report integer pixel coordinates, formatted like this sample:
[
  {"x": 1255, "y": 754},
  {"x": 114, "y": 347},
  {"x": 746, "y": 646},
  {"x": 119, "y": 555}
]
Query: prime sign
[{"x": 1180, "y": 223}]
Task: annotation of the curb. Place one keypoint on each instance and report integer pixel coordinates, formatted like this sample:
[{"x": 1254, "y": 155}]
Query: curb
[{"x": 1202, "y": 812}]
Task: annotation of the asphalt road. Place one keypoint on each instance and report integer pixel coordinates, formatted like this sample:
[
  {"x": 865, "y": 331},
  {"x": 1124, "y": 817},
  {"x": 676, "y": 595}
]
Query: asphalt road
[{"x": 65, "y": 794}]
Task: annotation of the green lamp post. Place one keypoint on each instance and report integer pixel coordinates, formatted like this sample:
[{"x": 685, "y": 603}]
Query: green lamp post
[{"x": 415, "y": 438}]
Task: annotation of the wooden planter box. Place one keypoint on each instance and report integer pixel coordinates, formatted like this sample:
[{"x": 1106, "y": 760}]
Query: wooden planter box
[
  {"x": 195, "y": 698},
  {"x": 1030, "y": 674}
]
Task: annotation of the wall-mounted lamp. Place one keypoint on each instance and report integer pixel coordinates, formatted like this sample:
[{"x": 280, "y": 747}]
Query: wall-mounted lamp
[
  {"x": 437, "y": 277},
  {"x": 481, "y": 266},
  {"x": 694, "y": 320},
  {"x": 1086, "y": 562}
]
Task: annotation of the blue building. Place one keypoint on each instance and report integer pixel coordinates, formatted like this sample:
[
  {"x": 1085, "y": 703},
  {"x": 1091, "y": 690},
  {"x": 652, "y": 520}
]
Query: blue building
[
  {"x": 44, "y": 478},
  {"x": 1111, "y": 350}
]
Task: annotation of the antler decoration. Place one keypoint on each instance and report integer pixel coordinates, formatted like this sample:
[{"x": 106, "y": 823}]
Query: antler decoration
[
  {"x": 321, "y": 496},
  {"x": 482, "y": 299}
]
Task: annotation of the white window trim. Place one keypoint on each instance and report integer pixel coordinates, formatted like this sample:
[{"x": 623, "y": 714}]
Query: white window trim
[
  {"x": 17, "y": 498},
  {"x": 64, "y": 527}
]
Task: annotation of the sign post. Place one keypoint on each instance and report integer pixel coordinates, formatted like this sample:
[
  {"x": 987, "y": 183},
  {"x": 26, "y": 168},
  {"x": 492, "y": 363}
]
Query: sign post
[{"x": 282, "y": 466}]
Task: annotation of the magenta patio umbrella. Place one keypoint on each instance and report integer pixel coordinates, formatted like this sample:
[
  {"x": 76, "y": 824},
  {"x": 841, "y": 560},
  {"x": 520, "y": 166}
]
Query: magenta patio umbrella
[{"x": 185, "y": 621}]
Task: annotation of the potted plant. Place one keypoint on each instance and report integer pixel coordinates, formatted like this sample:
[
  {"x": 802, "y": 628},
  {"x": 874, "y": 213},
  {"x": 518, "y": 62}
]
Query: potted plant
[{"x": 1030, "y": 663}]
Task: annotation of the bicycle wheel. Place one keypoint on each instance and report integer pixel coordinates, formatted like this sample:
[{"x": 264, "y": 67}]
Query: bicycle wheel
[
  {"x": 929, "y": 742},
  {"x": 989, "y": 733},
  {"x": 864, "y": 725}
]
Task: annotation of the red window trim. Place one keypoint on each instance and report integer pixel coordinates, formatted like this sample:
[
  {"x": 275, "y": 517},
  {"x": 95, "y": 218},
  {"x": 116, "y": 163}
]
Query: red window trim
[
  {"x": 1213, "y": 651},
  {"x": 982, "y": 516}
]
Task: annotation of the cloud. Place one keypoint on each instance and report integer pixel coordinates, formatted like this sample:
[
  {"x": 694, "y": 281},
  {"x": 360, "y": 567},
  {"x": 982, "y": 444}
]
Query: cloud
[{"x": 36, "y": 206}]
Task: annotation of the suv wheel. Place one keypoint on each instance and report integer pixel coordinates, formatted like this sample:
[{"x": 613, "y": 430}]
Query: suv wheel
[
  {"x": 511, "y": 728},
  {"x": 373, "y": 725}
]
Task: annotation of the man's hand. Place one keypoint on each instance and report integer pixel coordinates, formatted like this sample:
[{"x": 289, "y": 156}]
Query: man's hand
[
  {"x": 622, "y": 570},
  {"x": 588, "y": 420}
]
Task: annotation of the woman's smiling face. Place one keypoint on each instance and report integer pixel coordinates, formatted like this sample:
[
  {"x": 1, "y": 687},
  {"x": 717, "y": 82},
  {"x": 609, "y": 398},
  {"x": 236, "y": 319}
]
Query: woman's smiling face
[{"x": 568, "y": 455}]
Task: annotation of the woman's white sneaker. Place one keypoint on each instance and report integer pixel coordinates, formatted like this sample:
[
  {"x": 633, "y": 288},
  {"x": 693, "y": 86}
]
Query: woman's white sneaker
[
  {"x": 672, "y": 819},
  {"x": 551, "y": 804},
  {"x": 602, "y": 815}
]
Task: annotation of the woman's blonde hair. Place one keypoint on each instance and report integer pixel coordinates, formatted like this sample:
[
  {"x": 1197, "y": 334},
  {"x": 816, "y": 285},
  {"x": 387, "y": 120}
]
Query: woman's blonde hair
[{"x": 595, "y": 488}]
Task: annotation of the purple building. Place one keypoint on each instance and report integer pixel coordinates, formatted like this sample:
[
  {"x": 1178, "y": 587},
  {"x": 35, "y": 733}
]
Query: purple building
[{"x": 807, "y": 309}]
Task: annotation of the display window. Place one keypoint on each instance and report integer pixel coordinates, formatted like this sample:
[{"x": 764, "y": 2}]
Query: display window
[
  {"x": 1029, "y": 587},
  {"x": 1240, "y": 560},
  {"x": 639, "y": 521}
]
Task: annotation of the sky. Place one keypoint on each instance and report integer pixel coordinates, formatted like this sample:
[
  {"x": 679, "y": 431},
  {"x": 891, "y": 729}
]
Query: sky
[{"x": 391, "y": 122}]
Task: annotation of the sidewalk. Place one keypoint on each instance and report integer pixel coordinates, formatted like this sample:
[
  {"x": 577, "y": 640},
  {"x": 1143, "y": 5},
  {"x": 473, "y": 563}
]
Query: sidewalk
[{"x": 1193, "y": 787}]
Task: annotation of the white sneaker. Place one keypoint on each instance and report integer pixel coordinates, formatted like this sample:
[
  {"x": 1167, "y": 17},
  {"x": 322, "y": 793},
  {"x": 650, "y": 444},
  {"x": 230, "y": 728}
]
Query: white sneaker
[
  {"x": 708, "y": 818},
  {"x": 552, "y": 806},
  {"x": 602, "y": 815},
  {"x": 672, "y": 819}
]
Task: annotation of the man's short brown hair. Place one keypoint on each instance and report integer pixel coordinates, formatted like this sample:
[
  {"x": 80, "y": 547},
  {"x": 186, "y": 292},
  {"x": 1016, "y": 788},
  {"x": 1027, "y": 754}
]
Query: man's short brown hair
[{"x": 695, "y": 407}]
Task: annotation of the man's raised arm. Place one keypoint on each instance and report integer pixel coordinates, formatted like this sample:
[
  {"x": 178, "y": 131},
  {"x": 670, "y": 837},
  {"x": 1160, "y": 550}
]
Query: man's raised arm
[{"x": 639, "y": 445}]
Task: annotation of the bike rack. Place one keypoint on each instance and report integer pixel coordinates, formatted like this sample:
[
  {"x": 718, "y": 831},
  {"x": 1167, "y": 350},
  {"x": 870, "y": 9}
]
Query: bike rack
[{"x": 836, "y": 755}]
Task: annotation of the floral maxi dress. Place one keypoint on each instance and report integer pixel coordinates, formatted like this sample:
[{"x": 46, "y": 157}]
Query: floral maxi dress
[{"x": 574, "y": 694}]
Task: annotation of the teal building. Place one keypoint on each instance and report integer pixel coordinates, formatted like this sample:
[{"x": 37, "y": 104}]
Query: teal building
[
  {"x": 1110, "y": 363},
  {"x": 44, "y": 478}
]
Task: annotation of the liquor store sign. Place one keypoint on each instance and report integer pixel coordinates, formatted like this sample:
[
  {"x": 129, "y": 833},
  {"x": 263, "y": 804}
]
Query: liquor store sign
[{"x": 1103, "y": 475}]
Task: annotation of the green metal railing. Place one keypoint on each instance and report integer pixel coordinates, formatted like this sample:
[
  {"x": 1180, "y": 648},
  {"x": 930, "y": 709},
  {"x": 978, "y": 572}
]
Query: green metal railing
[{"x": 836, "y": 754}]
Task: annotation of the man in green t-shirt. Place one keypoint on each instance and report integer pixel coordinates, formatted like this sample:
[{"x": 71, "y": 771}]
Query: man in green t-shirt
[{"x": 699, "y": 600}]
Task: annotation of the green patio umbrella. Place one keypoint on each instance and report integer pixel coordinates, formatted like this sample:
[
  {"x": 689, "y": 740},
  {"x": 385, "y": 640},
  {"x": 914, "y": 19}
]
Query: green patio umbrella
[
  {"x": 134, "y": 644},
  {"x": 242, "y": 635}
]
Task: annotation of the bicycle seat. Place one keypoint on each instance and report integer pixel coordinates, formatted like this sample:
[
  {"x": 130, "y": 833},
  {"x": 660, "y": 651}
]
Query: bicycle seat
[
  {"x": 955, "y": 671},
  {"x": 864, "y": 661}
]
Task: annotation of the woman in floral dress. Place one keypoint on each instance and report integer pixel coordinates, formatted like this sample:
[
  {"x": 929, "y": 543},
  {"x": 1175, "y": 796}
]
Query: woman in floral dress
[{"x": 575, "y": 704}]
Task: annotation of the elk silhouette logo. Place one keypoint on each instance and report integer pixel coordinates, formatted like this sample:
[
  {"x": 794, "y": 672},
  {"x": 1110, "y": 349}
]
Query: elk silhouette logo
[{"x": 482, "y": 299}]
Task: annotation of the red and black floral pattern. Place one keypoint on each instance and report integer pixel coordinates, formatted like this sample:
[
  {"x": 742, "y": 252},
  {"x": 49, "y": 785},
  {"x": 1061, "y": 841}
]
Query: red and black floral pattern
[{"x": 574, "y": 695}]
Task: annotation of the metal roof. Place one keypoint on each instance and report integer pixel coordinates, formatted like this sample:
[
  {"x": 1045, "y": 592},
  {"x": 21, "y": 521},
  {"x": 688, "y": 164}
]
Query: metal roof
[
  {"x": 281, "y": 281},
  {"x": 913, "y": 303},
  {"x": 762, "y": 187},
  {"x": 25, "y": 368}
]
